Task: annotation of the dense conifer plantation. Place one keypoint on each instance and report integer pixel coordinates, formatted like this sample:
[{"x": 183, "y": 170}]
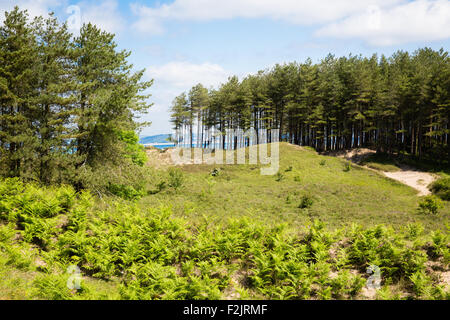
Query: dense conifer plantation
[{"x": 397, "y": 104}]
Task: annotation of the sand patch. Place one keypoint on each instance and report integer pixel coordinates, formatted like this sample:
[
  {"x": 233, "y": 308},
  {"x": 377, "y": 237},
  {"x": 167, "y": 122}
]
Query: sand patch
[
  {"x": 413, "y": 178},
  {"x": 416, "y": 179}
]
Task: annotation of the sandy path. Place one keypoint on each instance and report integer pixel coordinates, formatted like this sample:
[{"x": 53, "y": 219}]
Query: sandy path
[
  {"x": 159, "y": 159},
  {"x": 415, "y": 179}
]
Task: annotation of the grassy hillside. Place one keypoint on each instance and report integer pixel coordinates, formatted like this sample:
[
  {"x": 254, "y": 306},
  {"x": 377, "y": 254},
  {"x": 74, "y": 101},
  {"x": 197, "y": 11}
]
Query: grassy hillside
[
  {"x": 340, "y": 195},
  {"x": 310, "y": 232}
]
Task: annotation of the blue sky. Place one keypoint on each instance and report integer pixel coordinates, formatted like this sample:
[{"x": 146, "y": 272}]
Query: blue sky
[{"x": 183, "y": 42}]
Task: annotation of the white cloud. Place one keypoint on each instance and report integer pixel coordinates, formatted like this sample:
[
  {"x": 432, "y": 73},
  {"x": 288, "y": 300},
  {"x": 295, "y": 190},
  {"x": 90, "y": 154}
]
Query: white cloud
[
  {"x": 34, "y": 7},
  {"x": 421, "y": 20},
  {"x": 104, "y": 14},
  {"x": 304, "y": 12},
  {"x": 378, "y": 22},
  {"x": 172, "y": 79},
  {"x": 184, "y": 75}
]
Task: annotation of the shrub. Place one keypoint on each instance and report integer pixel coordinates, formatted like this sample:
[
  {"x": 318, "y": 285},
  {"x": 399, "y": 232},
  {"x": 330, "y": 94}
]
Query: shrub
[
  {"x": 126, "y": 192},
  {"x": 134, "y": 150},
  {"x": 7, "y": 232},
  {"x": 346, "y": 284},
  {"x": 347, "y": 166},
  {"x": 176, "y": 178},
  {"x": 161, "y": 186},
  {"x": 323, "y": 162},
  {"x": 52, "y": 287},
  {"x": 441, "y": 188},
  {"x": 215, "y": 172},
  {"x": 414, "y": 230},
  {"x": 39, "y": 231},
  {"x": 279, "y": 176},
  {"x": 306, "y": 202},
  {"x": 421, "y": 283},
  {"x": 66, "y": 196},
  {"x": 440, "y": 245},
  {"x": 430, "y": 205},
  {"x": 110, "y": 177},
  {"x": 11, "y": 187}
]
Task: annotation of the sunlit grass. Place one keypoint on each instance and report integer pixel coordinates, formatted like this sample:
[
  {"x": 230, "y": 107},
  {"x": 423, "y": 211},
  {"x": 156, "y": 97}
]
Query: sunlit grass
[{"x": 340, "y": 197}]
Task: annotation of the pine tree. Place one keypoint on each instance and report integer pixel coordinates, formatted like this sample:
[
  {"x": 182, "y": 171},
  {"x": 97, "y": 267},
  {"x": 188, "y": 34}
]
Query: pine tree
[
  {"x": 18, "y": 70},
  {"x": 53, "y": 107},
  {"x": 179, "y": 116},
  {"x": 109, "y": 96},
  {"x": 398, "y": 104}
]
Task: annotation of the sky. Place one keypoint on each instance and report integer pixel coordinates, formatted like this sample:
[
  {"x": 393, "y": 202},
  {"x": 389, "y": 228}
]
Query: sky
[{"x": 184, "y": 42}]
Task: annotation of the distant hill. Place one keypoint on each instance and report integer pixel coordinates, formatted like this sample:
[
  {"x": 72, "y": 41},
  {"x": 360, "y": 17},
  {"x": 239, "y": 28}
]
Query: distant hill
[{"x": 160, "y": 138}]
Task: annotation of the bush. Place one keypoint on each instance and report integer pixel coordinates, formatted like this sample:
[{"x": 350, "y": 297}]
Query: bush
[
  {"x": 126, "y": 180},
  {"x": 430, "y": 205},
  {"x": 306, "y": 202},
  {"x": 126, "y": 192},
  {"x": 66, "y": 196},
  {"x": 279, "y": 176},
  {"x": 134, "y": 150},
  {"x": 176, "y": 178},
  {"x": 441, "y": 188},
  {"x": 347, "y": 166},
  {"x": 215, "y": 172}
]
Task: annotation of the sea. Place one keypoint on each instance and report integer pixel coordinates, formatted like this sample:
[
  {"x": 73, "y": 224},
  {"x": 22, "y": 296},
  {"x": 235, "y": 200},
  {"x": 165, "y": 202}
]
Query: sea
[{"x": 161, "y": 145}]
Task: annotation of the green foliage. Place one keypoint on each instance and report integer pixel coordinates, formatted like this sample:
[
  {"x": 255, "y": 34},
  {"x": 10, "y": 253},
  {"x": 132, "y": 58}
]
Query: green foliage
[
  {"x": 66, "y": 196},
  {"x": 279, "y": 176},
  {"x": 126, "y": 192},
  {"x": 440, "y": 247},
  {"x": 421, "y": 283},
  {"x": 441, "y": 188},
  {"x": 7, "y": 232},
  {"x": 150, "y": 254},
  {"x": 52, "y": 287},
  {"x": 430, "y": 205},
  {"x": 134, "y": 150},
  {"x": 357, "y": 97},
  {"x": 127, "y": 180},
  {"x": 347, "y": 285},
  {"x": 306, "y": 202},
  {"x": 67, "y": 104},
  {"x": 39, "y": 231},
  {"x": 176, "y": 178},
  {"x": 215, "y": 172},
  {"x": 385, "y": 293},
  {"x": 380, "y": 161},
  {"x": 347, "y": 166}
]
